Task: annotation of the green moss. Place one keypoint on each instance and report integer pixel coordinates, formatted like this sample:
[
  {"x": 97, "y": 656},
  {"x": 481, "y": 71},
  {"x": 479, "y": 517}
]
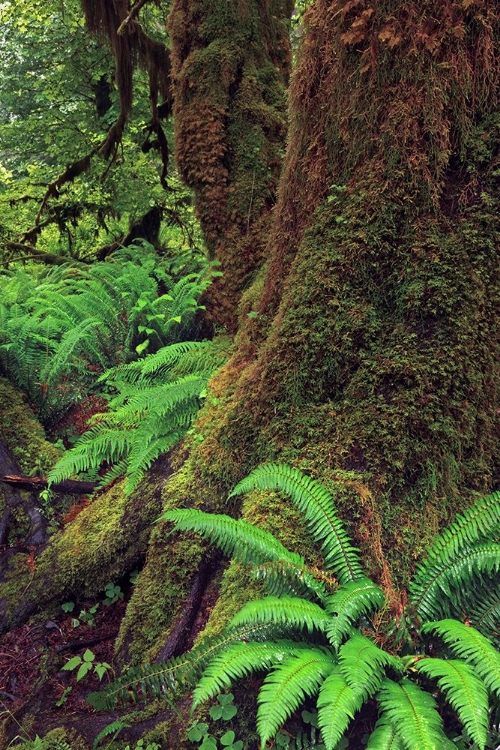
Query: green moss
[
  {"x": 107, "y": 539},
  {"x": 23, "y": 434}
]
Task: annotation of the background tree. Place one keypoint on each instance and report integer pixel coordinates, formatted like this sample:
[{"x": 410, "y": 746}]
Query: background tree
[{"x": 367, "y": 351}]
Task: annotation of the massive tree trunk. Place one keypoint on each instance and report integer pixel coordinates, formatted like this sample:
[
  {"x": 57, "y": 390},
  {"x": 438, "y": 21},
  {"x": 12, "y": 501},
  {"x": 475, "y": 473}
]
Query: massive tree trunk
[{"x": 371, "y": 357}]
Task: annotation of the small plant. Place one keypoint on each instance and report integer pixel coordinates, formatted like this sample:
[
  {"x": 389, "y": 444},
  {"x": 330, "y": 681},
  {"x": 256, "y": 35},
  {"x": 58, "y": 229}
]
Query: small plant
[
  {"x": 224, "y": 709},
  {"x": 85, "y": 616},
  {"x": 85, "y": 664},
  {"x": 113, "y": 594},
  {"x": 112, "y": 731},
  {"x": 64, "y": 696}
]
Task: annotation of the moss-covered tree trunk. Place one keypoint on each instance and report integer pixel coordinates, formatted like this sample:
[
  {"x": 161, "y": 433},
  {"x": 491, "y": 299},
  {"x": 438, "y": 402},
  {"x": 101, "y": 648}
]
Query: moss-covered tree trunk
[
  {"x": 230, "y": 66},
  {"x": 371, "y": 357}
]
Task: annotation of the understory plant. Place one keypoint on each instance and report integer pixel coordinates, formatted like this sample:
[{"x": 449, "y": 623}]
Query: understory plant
[
  {"x": 155, "y": 401},
  {"x": 60, "y": 329},
  {"x": 422, "y": 679}
]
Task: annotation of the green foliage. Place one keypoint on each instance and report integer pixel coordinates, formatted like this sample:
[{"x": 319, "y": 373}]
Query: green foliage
[
  {"x": 156, "y": 401},
  {"x": 60, "y": 331},
  {"x": 112, "y": 729},
  {"x": 224, "y": 710},
  {"x": 85, "y": 664},
  {"x": 325, "y": 646}
]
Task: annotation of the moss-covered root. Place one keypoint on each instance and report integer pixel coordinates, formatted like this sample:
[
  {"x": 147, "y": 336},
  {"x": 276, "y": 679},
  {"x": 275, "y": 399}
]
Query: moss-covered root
[
  {"x": 104, "y": 541},
  {"x": 157, "y": 609}
]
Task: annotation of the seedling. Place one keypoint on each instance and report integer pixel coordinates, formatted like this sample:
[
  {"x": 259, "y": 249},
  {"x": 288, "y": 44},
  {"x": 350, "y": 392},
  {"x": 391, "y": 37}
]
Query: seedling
[{"x": 86, "y": 664}]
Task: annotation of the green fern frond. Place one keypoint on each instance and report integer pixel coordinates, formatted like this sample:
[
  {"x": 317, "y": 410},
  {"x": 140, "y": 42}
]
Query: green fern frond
[
  {"x": 468, "y": 644},
  {"x": 93, "y": 447},
  {"x": 363, "y": 665},
  {"x": 189, "y": 356},
  {"x": 235, "y": 662},
  {"x": 433, "y": 587},
  {"x": 348, "y": 604},
  {"x": 247, "y": 543},
  {"x": 482, "y": 608},
  {"x": 413, "y": 714},
  {"x": 157, "y": 680},
  {"x": 384, "y": 737},
  {"x": 464, "y": 691},
  {"x": 142, "y": 456},
  {"x": 295, "y": 612},
  {"x": 317, "y": 505},
  {"x": 281, "y": 578},
  {"x": 337, "y": 705},
  {"x": 300, "y": 675}
]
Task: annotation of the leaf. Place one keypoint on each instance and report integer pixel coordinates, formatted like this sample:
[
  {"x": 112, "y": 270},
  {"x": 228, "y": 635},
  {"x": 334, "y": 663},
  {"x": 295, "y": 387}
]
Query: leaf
[
  {"x": 317, "y": 505},
  {"x": 348, "y": 604},
  {"x": 88, "y": 656},
  {"x": 337, "y": 705},
  {"x": 85, "y": 668},
  {"x": 464, "y": 691},
  {"x": 468, "y": 644},
  {"x": 286, "y": 687},
  {"x": 413, "y": 713},
  {"x": 72, "y": 663}
]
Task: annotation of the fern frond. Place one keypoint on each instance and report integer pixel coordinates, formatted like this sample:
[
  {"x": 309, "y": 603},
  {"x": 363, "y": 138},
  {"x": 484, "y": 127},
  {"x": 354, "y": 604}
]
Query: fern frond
[
  {"x": 95, "y": 446},
  {"x": 237, "y": 538},
  {"x": 413, "y": 713},
  {"x": 348, "y": 604},
  {"x": 468, "y": 644},
  {"x": 285, "y": 688},
  {"x": 337, "y": 705},
  {"x": 464, "y": 691},
  {"x": 435, "y": 585},
  {"x": 189, "y": 356},
  {"x": 482, "y": 607},
  {"x": 281, "y": 578},
  {"x": 363, "y": 665},
  {"x": 142, "y": 456},
  {"x": 235, "y": 662},
  {"x": 155, "y": 680},
  {"x": 295, "y": 612},
  {"x": 384, "y": 737},
  {"x": 317, "y": 505}
]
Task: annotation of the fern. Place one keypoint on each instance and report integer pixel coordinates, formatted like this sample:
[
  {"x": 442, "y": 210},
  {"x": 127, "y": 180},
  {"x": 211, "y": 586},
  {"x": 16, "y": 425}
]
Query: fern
[
  {"x": 446, "y": 557},
  {"x": 465, "y": 692},
  {"x": 145, "y": 420},
  {"x": 471, "y": 646},
  {"x": 317, "y": 505},
  {"x": 309, "y": 641},
  {"x": 298, "y": 613},
  {"x": 363, "y": 665},
  {"x": 285, "y": 688},
  {"x": 413, "y": 714},
  {"x": 350, "y": 602},
  {"x": 82, "y": 320},
  {"x": 384, "y": 737},
  {"x": 337, "y": 705}
]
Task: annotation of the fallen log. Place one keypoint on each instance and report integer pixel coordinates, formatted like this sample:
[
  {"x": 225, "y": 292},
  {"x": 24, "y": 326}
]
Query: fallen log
[{"x": 69, "y": 486}]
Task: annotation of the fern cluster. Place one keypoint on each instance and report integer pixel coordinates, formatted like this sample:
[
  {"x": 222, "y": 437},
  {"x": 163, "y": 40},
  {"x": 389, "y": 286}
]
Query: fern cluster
[
  {"x": 155, "y": 402},
  {"x": 60, "y": 330},
  {"x": 317, "y": 642}
]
